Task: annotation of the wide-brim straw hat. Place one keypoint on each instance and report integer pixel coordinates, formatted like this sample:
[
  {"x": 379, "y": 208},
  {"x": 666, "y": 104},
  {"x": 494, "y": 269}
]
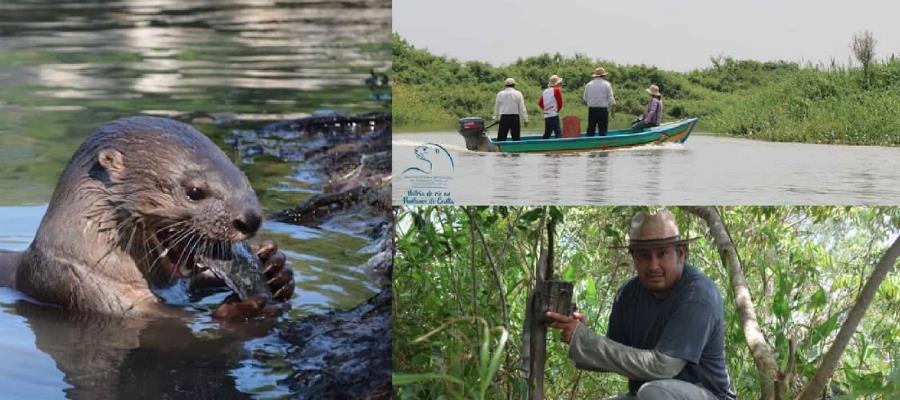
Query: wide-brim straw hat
[
  {"x": 654, "y": 90},
  {"x": 653, "y": 230},
  {"x": 600, "y": 71},
  {"x": 509, "y": 82},
  {"x": 555, "y": 80}
]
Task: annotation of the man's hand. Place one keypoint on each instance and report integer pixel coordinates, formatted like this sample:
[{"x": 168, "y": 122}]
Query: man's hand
[
  {"x": 526, "y": 124},
  {"x": 565, "y": 323}
]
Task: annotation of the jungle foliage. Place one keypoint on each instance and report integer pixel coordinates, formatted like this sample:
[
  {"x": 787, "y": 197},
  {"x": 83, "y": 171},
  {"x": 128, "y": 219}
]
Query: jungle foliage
[
  {"x": 779, "y": 101},
  {"x": 804, "y": 267}
]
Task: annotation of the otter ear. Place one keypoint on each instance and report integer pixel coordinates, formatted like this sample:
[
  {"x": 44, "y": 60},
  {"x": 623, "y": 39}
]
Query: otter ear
[{"x": 112, "y": 161}]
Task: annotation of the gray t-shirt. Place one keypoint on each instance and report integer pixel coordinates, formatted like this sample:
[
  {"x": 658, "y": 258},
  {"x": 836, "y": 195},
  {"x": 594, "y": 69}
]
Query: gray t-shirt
[{"x": 687, "y": 325}]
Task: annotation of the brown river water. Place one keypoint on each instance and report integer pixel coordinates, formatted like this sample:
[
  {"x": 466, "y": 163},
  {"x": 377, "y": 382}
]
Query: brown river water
[{"x": 706, "y": 169}]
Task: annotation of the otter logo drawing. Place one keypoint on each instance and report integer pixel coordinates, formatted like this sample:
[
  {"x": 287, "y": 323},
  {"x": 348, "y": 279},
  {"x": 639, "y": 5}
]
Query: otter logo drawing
[
  {"x": 436, "y": 160},
  {"x": 429, "y": 176}
]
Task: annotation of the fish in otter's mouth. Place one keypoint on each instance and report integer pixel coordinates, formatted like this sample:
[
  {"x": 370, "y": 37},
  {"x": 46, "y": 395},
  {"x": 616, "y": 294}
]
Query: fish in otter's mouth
[
  {"x": 183, "y": 255},
  {"x": 242, "y": 272}
]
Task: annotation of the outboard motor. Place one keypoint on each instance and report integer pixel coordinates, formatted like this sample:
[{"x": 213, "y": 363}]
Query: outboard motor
[{"x": 472, "y": 129}]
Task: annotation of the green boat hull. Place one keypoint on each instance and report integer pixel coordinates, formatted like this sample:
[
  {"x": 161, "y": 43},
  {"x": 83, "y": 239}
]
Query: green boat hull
[{"x": 674, "y": 132}]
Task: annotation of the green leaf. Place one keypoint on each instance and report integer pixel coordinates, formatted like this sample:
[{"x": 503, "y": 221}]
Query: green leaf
[
  {"x": 822, "y": 331},
  {"x": 405, "y": 379},
  {"x": 503, "y": 211},
  {"x": 491, "y": 219},
  {"x": 569, "y": 275},
  {"x": 532, "y": 215},
  {"x": 556, "y": 212},
  {"x": 780, "y": 306},
  {"x": 591, "y": 289},
  {"x": 485, "y": 350},
  {"x": 819, "y": 299},
  {"x": 579, "y": 260},
  {"x": 488, "y": 375},
  {"x": 610, "y": 230}
]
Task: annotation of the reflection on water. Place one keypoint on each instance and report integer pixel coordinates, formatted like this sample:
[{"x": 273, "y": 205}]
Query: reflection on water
[
  {"x": 704, "y": 170},
  {"x": 66, "y": 67},
  {"x": 24, "y": 372},
  {"x": 105, "y": 357}
]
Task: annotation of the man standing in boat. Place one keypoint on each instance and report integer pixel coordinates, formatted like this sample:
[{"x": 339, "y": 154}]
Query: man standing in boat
[
  {"x": 666, "y": 328},
  {"x": 508, "y": 107},
  {"x": 551, "y": 102},
  {"x": 653, "y": 116},
  {"x": 598, "y": 95}
]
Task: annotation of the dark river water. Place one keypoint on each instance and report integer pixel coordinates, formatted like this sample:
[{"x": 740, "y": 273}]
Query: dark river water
[
  {"x": 704, "y": 170},
  {"x": 67, "y": 67}
]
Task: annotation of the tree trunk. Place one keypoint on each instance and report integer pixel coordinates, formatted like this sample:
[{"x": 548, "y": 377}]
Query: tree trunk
[
  {"x": 534, "y": 355},
  {"x": 756, "y": 340},
  {"x": 815, "y": 386}
]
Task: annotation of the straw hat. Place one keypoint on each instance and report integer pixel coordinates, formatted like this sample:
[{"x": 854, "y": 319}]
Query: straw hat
[
  {"x": 654, "y": 90},
  {"x": 510, "y": 82},
  {"x": 600, "y": 71},
  {"x": 555, "y": 80},
  {"x": 653, "y": 230}
]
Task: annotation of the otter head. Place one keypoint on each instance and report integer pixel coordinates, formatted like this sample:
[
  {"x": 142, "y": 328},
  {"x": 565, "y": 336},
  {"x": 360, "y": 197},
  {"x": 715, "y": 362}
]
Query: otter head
[
  {"x": 420, "y": 152},
  {"x": 164, "y": 193}
]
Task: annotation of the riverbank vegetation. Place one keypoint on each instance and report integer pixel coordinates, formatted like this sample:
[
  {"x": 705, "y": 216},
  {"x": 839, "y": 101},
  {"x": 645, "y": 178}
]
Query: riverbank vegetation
[
  {"x": 463, "y": 275},
  {"x": 778, "y": 101}
]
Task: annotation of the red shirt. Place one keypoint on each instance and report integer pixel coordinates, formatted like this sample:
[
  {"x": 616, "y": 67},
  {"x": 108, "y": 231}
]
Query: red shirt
[{"x": 550, "y": 109}]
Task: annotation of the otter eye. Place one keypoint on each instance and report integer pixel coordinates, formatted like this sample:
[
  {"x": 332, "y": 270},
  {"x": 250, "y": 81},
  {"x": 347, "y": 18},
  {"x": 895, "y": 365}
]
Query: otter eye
[{"x": 195, "y": 193}]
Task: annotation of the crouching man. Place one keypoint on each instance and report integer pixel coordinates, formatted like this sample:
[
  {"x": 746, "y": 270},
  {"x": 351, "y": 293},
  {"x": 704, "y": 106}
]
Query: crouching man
[{"x": 666, "y": 332}]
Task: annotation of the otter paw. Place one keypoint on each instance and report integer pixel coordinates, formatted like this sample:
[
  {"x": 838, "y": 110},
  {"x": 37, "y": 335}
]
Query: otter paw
[
  {"x": 235, "y": 309},
  {"x": 279, "y": 276}
]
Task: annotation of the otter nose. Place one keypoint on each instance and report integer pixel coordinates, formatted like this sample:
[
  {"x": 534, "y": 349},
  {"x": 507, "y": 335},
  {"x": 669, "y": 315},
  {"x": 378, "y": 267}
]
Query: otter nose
[{"x": 248, "y": 223}]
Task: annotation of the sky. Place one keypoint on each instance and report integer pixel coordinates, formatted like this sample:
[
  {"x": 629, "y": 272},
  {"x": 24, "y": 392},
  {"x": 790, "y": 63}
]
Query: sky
[{"x": 672, "y": 35}]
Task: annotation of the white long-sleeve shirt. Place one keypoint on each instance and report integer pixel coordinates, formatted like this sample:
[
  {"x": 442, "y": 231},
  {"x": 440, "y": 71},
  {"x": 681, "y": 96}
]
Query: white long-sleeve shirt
[
  {"x": 598, "y": 93},
  {"x": 510, "y": 101}
]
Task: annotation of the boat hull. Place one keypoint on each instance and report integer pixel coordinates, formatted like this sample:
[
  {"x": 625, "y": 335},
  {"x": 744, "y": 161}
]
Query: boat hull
[{"x": 674, "y": 132}]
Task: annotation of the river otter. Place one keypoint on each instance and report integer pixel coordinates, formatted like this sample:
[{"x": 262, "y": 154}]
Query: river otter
[{"x": 139, "y": 199}]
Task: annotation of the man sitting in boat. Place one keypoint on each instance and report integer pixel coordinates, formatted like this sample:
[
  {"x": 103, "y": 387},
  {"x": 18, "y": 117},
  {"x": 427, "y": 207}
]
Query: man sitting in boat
[
  {"x": 653, "y": 116},
  {"x": 551, "y": 102},
  {"x": 666, "y": 328},
  {"x": 508, "y": 106}
]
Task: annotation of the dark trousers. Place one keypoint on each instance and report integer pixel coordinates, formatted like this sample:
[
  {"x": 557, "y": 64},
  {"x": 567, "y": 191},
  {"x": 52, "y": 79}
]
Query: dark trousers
[
  {"x": 508, "y": 122},
  {"x": 598, "y": 117},
  {"x": 551, "y": 124},
  {"x": 639, "y": 126}
]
